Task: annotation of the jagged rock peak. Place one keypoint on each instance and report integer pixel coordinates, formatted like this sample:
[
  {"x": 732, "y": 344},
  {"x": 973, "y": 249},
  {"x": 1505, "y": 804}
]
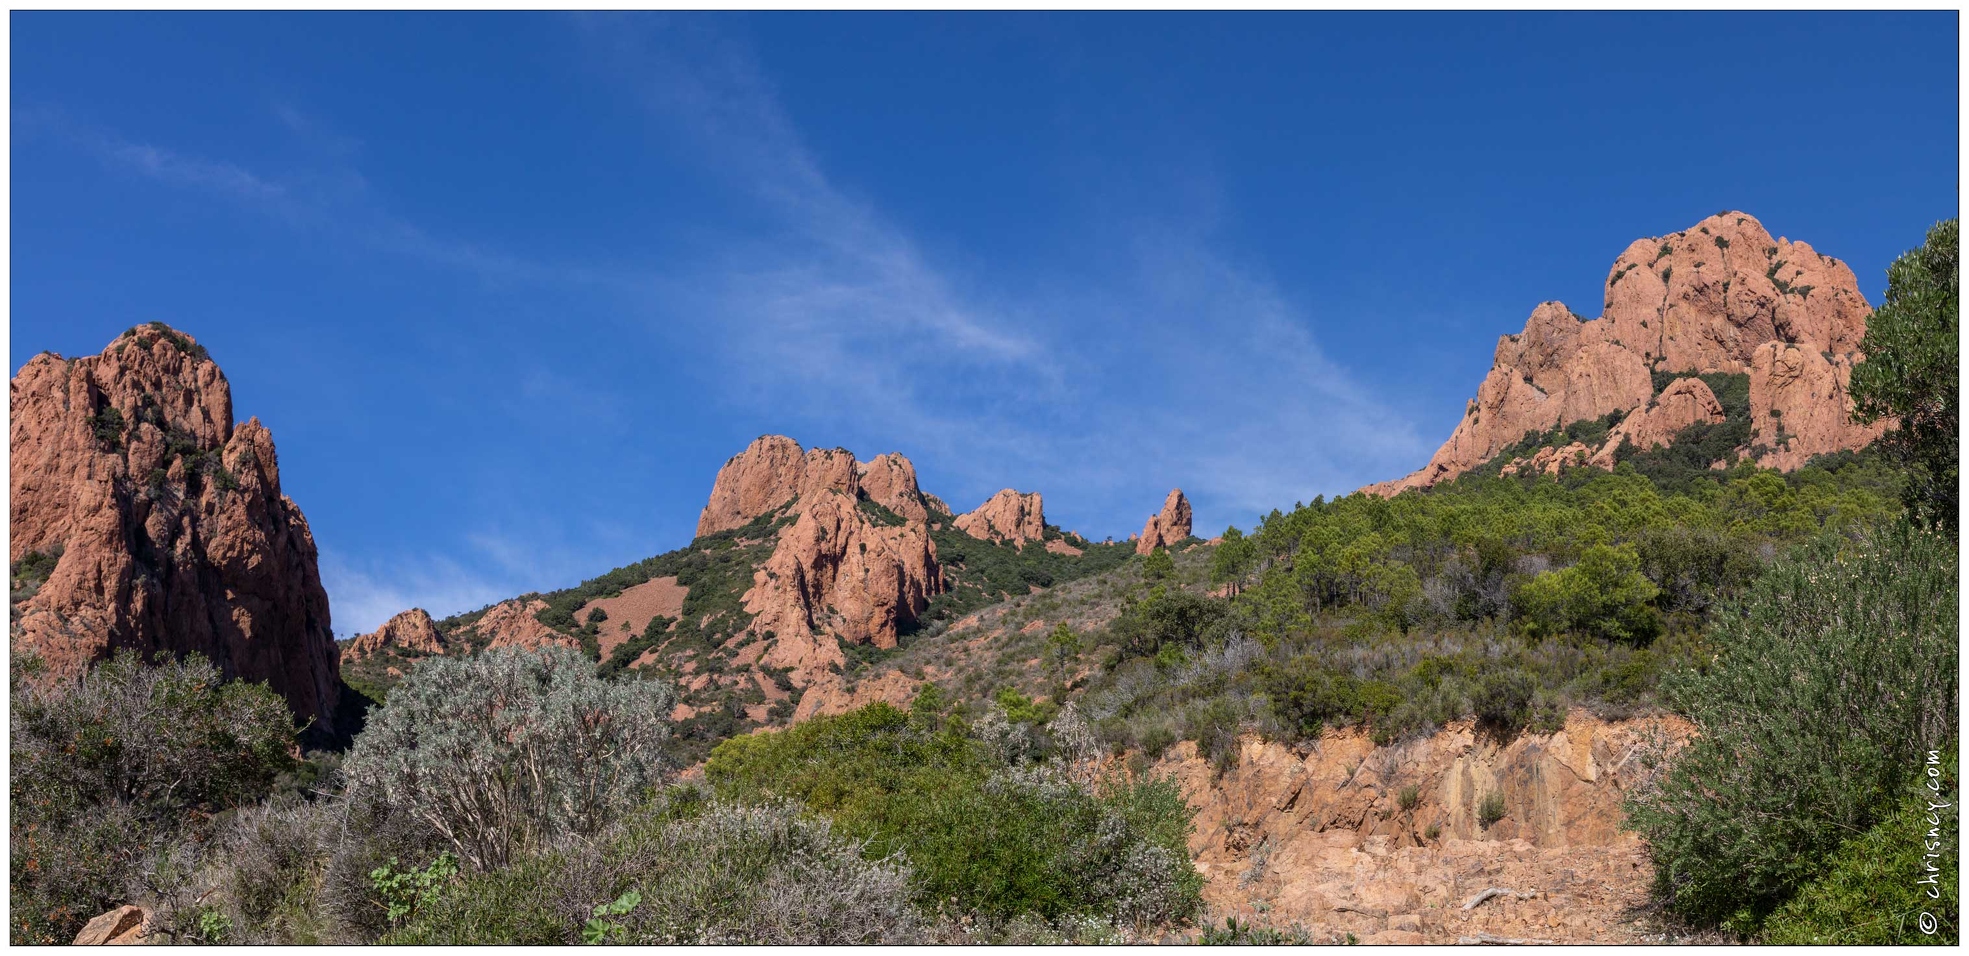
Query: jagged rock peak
[
  {"x": 1008, "y": 516},
  {"x": 411, "y": 630},
  {"x": 773, "y": 471},
  {"x": 1721, "y": 296},
  {"x": 1168, "y": 527},
  {"x": 158, "y": 525}
]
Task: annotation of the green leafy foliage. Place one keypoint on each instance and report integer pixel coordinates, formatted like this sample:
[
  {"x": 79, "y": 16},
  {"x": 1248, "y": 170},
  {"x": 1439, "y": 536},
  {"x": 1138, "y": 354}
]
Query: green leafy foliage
[
  {"x": 405, "y": 891},
  {"x": 601, "y": 929},
  {"x": 1604, "y": 595},
  {"x": 988, "y": 830},
  {"x": 684, "y": 871},
  {"x": 1910, "y": 373},
  {"x": 1833, "y": 676},
  {"x": 1490, "y": 810},
  {"x": 1876, "y": 889}
]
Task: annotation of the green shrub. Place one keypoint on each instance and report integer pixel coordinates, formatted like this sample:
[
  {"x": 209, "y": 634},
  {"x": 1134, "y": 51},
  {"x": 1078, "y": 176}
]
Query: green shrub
[
  {"x": 509, "y": 751},
  {"x": 1876, "y": 889},
  {"x": 1604, "y": 595},
  {"x": 107, "y": 426},
  {"x": 1409, "y": 798},
  {"x": 1490, "y": 810},
  {"x": 1910, "y": 373},
  {"x": 989, "y": 832},
  {"x": 1503, "y": 700},
  {"x": 107, "y": 770},
  {"x": 1830, "y": 681},
  {"x": 681, "y": 872}
]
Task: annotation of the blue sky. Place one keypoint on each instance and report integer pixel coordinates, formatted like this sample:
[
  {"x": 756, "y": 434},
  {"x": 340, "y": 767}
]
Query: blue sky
[{"x": 509, "y": 288}]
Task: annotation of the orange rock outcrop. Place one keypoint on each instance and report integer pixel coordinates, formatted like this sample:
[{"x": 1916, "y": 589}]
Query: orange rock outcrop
[
  {"x": 1168, "y": 527},
  {"x": 172, "y": 532},
  {"x": 1008, "y": 517},
  {"x": 1721, "y": 296},
  {"x": 1321, "y": 837},
  {"x": 411, "y": 631}
]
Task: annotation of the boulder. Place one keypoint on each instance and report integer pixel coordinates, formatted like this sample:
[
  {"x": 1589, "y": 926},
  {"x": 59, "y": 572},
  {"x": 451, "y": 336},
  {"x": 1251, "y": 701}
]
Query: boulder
[{"x": 123, "y": 925}]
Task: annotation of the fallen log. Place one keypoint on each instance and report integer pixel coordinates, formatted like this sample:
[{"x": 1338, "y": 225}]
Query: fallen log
[{"x": 1480, "y": 898}]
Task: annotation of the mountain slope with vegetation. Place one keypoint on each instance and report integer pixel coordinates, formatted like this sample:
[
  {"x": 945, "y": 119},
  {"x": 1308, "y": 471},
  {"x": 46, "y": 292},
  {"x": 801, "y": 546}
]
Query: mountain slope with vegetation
[{"x": 839, "y": 717}]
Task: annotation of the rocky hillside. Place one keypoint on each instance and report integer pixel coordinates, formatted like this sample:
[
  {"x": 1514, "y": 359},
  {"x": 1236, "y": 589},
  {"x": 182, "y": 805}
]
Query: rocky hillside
[
  {"x": 143, "y": 518},
  {"x": 1717, "y": 300},
  {"x": 807, "y": 564}
]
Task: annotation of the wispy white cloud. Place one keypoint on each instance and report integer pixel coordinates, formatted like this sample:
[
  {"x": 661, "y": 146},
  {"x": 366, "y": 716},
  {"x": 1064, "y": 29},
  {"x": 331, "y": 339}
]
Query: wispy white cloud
[{"x": 1187, "y": 368}]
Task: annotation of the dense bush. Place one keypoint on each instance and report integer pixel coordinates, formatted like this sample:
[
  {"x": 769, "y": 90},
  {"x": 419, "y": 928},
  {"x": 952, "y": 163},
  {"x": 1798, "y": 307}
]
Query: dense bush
[
  {"x": 108, "y": 770},
  {"x": 991, "y": 829},
  {"x": 510, "y": 751},
  {"x": 1604, "y": 595},
  {"x": 1877, "y": 887},
  {"x": 1829, "y": 684},
  {"x": 680, "y": 872}
]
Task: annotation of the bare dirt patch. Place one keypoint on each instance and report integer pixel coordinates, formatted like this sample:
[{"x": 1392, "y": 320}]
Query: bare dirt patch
[{"x": 634, "y": 607}]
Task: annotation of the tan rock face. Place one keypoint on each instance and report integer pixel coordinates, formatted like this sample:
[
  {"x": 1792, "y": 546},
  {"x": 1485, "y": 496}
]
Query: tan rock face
[
  {"x": 411, "y": 630},
  {"x": 1167, "y": 527},
  {"x": 1706, "y": 299},
  {"x": 1322, "y": 838},
  {"x": 173, "y": 532},
  {"x": 1008, "y": 517},
  {"x": 837, "y": 573}
]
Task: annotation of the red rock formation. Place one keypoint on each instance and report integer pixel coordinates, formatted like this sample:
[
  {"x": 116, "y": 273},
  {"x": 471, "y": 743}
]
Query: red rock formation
[
  {"x": 1008, "y": 517},
  {"x": 411, "y": 631},
  {"x": 1798, "y": 405},
  {"x": 514, "y": 624},
  {"x": 890, "y": 481},
  {"x": 1685, "y": 402},
  {"x": 1707, "y": 299},
  {"x": 172, "y": 530},
  {"x": 1166, "y": 528},
  {"x": 763, "y": 476}
]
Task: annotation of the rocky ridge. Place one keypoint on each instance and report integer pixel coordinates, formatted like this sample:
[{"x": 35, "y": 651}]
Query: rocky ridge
[
  {"x": 1719, "y": 297},
  {"x": 143, "y": 518}
]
